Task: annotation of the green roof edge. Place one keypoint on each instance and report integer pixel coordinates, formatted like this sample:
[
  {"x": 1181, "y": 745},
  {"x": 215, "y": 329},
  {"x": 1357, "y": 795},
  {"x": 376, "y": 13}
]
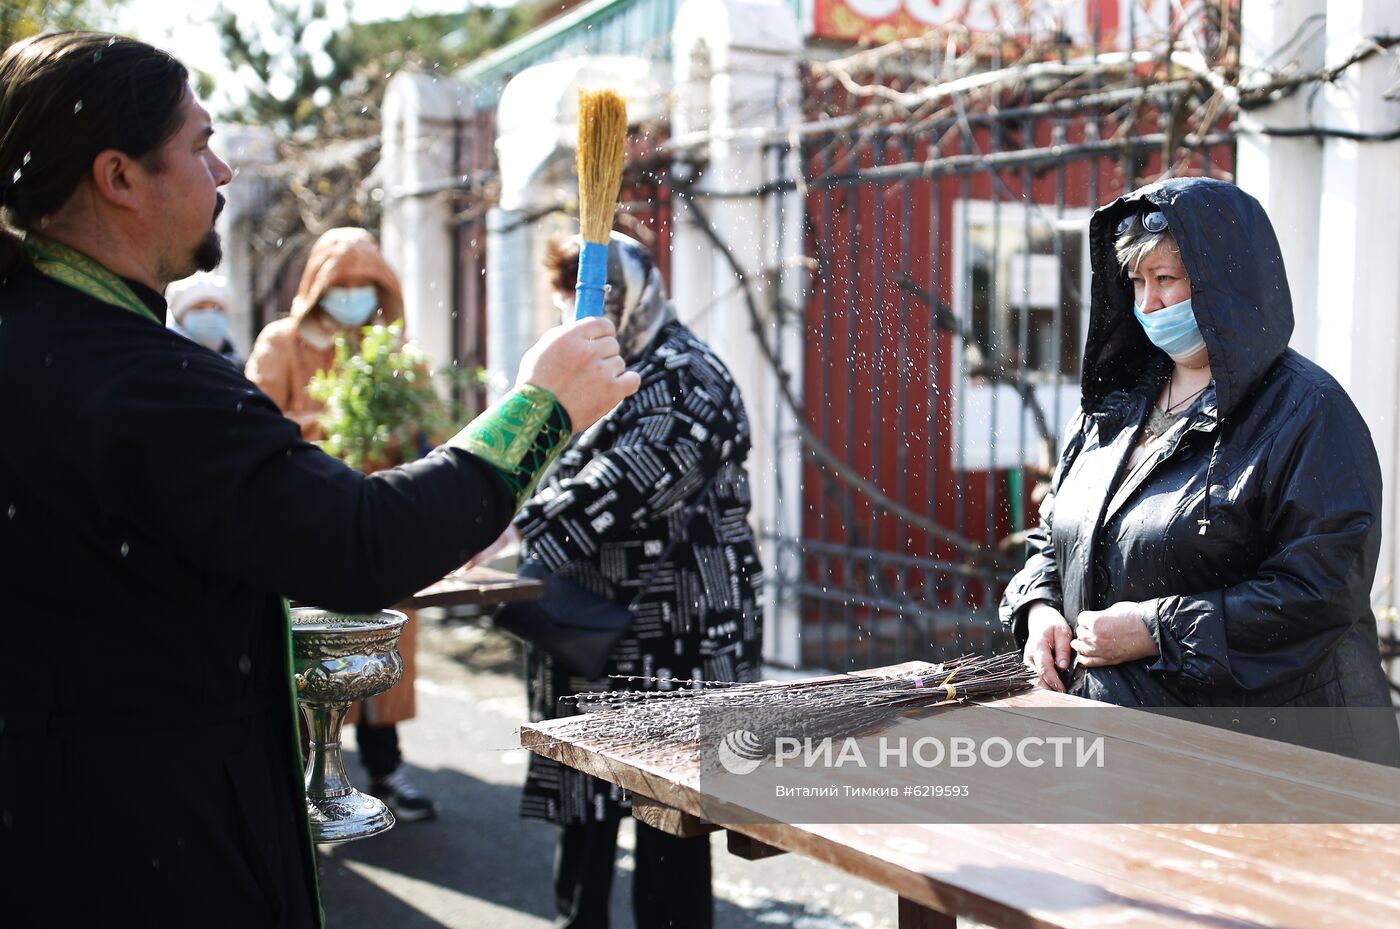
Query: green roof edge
[{"x": 482, "y": 68}]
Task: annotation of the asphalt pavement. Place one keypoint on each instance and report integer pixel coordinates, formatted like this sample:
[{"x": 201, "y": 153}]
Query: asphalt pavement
[{"x": 479, "y": 865}]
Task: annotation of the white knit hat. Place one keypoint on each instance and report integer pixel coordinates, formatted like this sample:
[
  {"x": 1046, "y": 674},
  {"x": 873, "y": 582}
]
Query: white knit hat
[{"x": 196, "y": 288}]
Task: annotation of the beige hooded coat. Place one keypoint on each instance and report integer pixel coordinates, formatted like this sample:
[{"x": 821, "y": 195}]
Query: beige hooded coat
[{"x": 289, "y": 352}]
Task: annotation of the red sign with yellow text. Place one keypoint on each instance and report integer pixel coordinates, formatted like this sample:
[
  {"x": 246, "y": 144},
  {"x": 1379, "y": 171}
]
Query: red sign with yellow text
[{"x": 880, "y": 21}]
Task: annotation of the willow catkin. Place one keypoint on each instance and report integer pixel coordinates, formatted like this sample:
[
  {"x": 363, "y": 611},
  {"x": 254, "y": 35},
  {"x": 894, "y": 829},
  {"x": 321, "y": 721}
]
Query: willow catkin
[{"x": 602, "y": 135}]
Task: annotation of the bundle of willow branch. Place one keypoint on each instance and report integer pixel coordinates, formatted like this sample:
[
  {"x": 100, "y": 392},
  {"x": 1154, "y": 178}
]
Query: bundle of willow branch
[{"x": 668, "y": 724}]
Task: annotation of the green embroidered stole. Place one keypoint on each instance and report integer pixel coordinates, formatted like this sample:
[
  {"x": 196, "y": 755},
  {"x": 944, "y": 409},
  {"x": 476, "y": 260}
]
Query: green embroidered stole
[{"x": 71, "y": 268}]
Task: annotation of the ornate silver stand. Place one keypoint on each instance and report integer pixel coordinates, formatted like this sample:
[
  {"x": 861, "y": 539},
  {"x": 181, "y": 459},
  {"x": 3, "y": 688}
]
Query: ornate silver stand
[{"x": 341, "y": 658}]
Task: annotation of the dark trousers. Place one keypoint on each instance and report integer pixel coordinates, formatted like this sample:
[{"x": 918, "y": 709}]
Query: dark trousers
[
  {"x": 379, "y": 748},
  {"x": 670, "y": 887}
]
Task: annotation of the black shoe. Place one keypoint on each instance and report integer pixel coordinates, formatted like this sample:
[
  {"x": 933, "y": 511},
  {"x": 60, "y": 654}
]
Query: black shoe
[{"x": 404, "y": 800}]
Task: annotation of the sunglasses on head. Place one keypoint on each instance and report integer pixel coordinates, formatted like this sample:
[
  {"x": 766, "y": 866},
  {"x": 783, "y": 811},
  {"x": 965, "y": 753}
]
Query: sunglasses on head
[{"x": 1153, "y": 222}]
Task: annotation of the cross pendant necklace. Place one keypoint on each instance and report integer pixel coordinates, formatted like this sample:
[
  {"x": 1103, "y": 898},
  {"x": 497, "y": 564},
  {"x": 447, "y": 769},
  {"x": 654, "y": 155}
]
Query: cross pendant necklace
[{"x": 1162, "y": 419}]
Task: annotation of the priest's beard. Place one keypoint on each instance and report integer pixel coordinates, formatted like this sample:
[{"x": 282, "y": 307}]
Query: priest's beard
[{"x": 209, "y": 252}]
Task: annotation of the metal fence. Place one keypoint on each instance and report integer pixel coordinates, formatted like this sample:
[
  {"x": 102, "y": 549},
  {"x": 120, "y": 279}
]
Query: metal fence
[{"x": 946, "y": 298}]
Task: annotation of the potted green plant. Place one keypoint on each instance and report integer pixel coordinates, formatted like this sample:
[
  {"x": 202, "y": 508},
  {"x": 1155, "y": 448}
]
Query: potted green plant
[{"x": 381, "y": 407}]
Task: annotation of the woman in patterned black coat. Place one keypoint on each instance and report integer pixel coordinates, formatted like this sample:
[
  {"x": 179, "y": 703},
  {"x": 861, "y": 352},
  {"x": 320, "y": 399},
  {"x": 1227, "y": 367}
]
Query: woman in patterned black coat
[{"x": 604, "y": 517}]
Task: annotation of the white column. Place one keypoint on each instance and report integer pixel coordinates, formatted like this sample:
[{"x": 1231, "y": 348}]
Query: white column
[
  {"x": 736, "y": 68},
  {"x": 518, "y": 300},
  {"x": 1283, "y": 173},
  {"x": 1358, "y": 291},
  {"x": 416, "y": 231}
]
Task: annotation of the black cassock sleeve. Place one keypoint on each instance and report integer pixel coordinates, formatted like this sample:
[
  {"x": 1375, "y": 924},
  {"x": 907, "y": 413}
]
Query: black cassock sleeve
[{"x": 191, "y": 451}]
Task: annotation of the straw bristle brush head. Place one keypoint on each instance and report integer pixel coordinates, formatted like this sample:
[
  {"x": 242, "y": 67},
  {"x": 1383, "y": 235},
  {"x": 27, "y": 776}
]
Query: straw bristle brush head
[{"x": 602, "y": 136}]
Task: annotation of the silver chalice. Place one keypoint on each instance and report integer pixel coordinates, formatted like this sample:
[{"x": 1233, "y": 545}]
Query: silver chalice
[{"x": 338, "y": 659}]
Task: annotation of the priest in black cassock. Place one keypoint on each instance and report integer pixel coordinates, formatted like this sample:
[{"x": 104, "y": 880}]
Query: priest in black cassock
[{"x": 155, "y": 508}]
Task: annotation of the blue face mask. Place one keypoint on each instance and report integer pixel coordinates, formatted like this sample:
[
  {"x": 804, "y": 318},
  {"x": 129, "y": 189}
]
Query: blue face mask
[
  {"x": 350, "y": 306},
  {"x": 207, "y": 327},
  {"x": 1173, "y": 329}
]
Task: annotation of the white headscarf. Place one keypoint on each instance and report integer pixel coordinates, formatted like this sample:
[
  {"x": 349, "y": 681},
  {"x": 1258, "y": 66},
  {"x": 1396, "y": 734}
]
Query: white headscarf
[{"x": 197, "y": 288}]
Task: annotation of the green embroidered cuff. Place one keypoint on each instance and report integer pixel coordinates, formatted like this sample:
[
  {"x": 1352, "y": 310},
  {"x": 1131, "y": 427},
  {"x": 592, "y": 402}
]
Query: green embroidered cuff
[{"x": 519, "y": 436}]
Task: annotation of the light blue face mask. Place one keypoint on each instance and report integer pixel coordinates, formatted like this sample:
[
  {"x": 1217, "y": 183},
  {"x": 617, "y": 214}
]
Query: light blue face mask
[
  {"x": 1173, "y": 329},
  {"x": 351, "y": 306},
  {"x": 207, "y": 327}
]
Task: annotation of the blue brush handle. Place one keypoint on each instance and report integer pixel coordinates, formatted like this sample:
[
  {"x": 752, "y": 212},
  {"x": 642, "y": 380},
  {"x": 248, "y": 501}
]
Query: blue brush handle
[{"x": 592, "y": 280}]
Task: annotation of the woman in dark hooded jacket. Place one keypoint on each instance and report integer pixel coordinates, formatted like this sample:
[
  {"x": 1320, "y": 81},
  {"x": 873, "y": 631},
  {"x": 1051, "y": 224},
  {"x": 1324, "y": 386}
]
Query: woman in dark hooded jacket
[{"x": 1213, "y": 529}]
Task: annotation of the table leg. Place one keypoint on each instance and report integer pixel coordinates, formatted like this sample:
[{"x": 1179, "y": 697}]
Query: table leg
[
  {"x": 668, "y": 819},
  {"x": 750, "y": 849},
  {"x": 917, "y": 916}
]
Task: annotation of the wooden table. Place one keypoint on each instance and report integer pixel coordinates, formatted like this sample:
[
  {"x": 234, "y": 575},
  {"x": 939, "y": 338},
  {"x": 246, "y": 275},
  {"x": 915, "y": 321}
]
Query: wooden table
[
  {"x": 1074, "y": 876},
  {"x": 476, "y": 587}
]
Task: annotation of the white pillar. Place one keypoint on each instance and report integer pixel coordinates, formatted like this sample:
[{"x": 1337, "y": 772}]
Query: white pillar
[
  {"x": 1282, "y": 173},
  {"x": 419, "y": 137},
  {"x": 518, "y": 300},
  {"x": 1358, "y": 291},
  {"x": 736, "y": 68}
]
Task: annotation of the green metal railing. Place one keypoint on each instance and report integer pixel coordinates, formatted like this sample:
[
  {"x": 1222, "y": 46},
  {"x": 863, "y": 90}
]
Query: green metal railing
[{"x": 600, "y": 27}]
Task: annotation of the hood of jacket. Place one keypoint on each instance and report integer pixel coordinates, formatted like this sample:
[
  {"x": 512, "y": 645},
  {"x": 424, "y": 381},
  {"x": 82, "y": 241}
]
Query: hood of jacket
[
  {"x": 345, "y": 254},
  {"x": 1239, "y": 291}
]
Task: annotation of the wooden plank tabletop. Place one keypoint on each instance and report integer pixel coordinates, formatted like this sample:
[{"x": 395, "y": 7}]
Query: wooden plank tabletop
[
  {"x": 1157, "y": 876},
  {"x": 476, "y": 587}
]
